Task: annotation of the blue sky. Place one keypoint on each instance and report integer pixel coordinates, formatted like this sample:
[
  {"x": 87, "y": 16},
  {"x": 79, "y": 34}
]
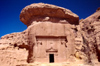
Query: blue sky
[{"x": 10, "y": 11}]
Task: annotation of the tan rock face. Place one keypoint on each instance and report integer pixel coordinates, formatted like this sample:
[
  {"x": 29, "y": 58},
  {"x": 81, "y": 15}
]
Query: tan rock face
[
  {"x": 46, "y": 10},
  {"x": 90, "y": 31},
  {"x": 13, "y": 49},
  {"x": 54, "y": 35},
  {"x": 47, "y": 38}
]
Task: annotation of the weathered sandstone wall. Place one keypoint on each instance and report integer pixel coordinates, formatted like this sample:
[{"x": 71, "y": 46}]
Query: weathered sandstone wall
[{"x": 82, "y": 38}]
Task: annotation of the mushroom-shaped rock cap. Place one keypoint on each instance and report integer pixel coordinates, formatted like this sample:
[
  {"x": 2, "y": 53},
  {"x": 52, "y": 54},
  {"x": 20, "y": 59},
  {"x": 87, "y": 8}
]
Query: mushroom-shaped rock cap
[{"x": 40, "y": 9}]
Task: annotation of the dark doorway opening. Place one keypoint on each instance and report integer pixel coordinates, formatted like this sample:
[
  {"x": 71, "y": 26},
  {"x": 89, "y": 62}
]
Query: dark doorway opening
[{"x": 51, "y": 58}]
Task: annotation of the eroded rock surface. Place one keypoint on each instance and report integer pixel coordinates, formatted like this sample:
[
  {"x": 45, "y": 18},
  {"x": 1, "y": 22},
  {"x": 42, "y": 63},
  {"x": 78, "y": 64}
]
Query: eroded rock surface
[
  {"x": 90, "y": 33},
  {"x": 34, "y": 11},
  {"x": 13, "y": 49},
  {"x": 53, "y": 33}
]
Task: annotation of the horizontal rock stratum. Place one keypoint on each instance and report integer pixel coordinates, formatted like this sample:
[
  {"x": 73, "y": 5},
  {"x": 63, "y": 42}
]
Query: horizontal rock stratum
[
  {"x": 54, "y": 37},
  {"x": 41, "y": 9}
]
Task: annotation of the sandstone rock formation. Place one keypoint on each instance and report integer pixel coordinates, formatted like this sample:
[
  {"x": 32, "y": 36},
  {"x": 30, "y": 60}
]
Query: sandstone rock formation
[
  {"x": 39, "y": 11},
  {"x": 53, "y": 35},
  {"x": 90, "y": 32},
  {"x": 13, "y": 49}
]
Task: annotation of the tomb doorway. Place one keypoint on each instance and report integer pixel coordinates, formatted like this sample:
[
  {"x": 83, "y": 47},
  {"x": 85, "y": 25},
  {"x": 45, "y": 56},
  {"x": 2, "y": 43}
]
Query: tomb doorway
[{"x": 51, "y": 58}]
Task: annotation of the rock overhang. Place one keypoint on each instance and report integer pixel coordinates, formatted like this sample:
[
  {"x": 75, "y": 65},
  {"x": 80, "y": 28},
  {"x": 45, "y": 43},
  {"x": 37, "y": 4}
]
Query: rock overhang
[{"x": 47, "y": 10}]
